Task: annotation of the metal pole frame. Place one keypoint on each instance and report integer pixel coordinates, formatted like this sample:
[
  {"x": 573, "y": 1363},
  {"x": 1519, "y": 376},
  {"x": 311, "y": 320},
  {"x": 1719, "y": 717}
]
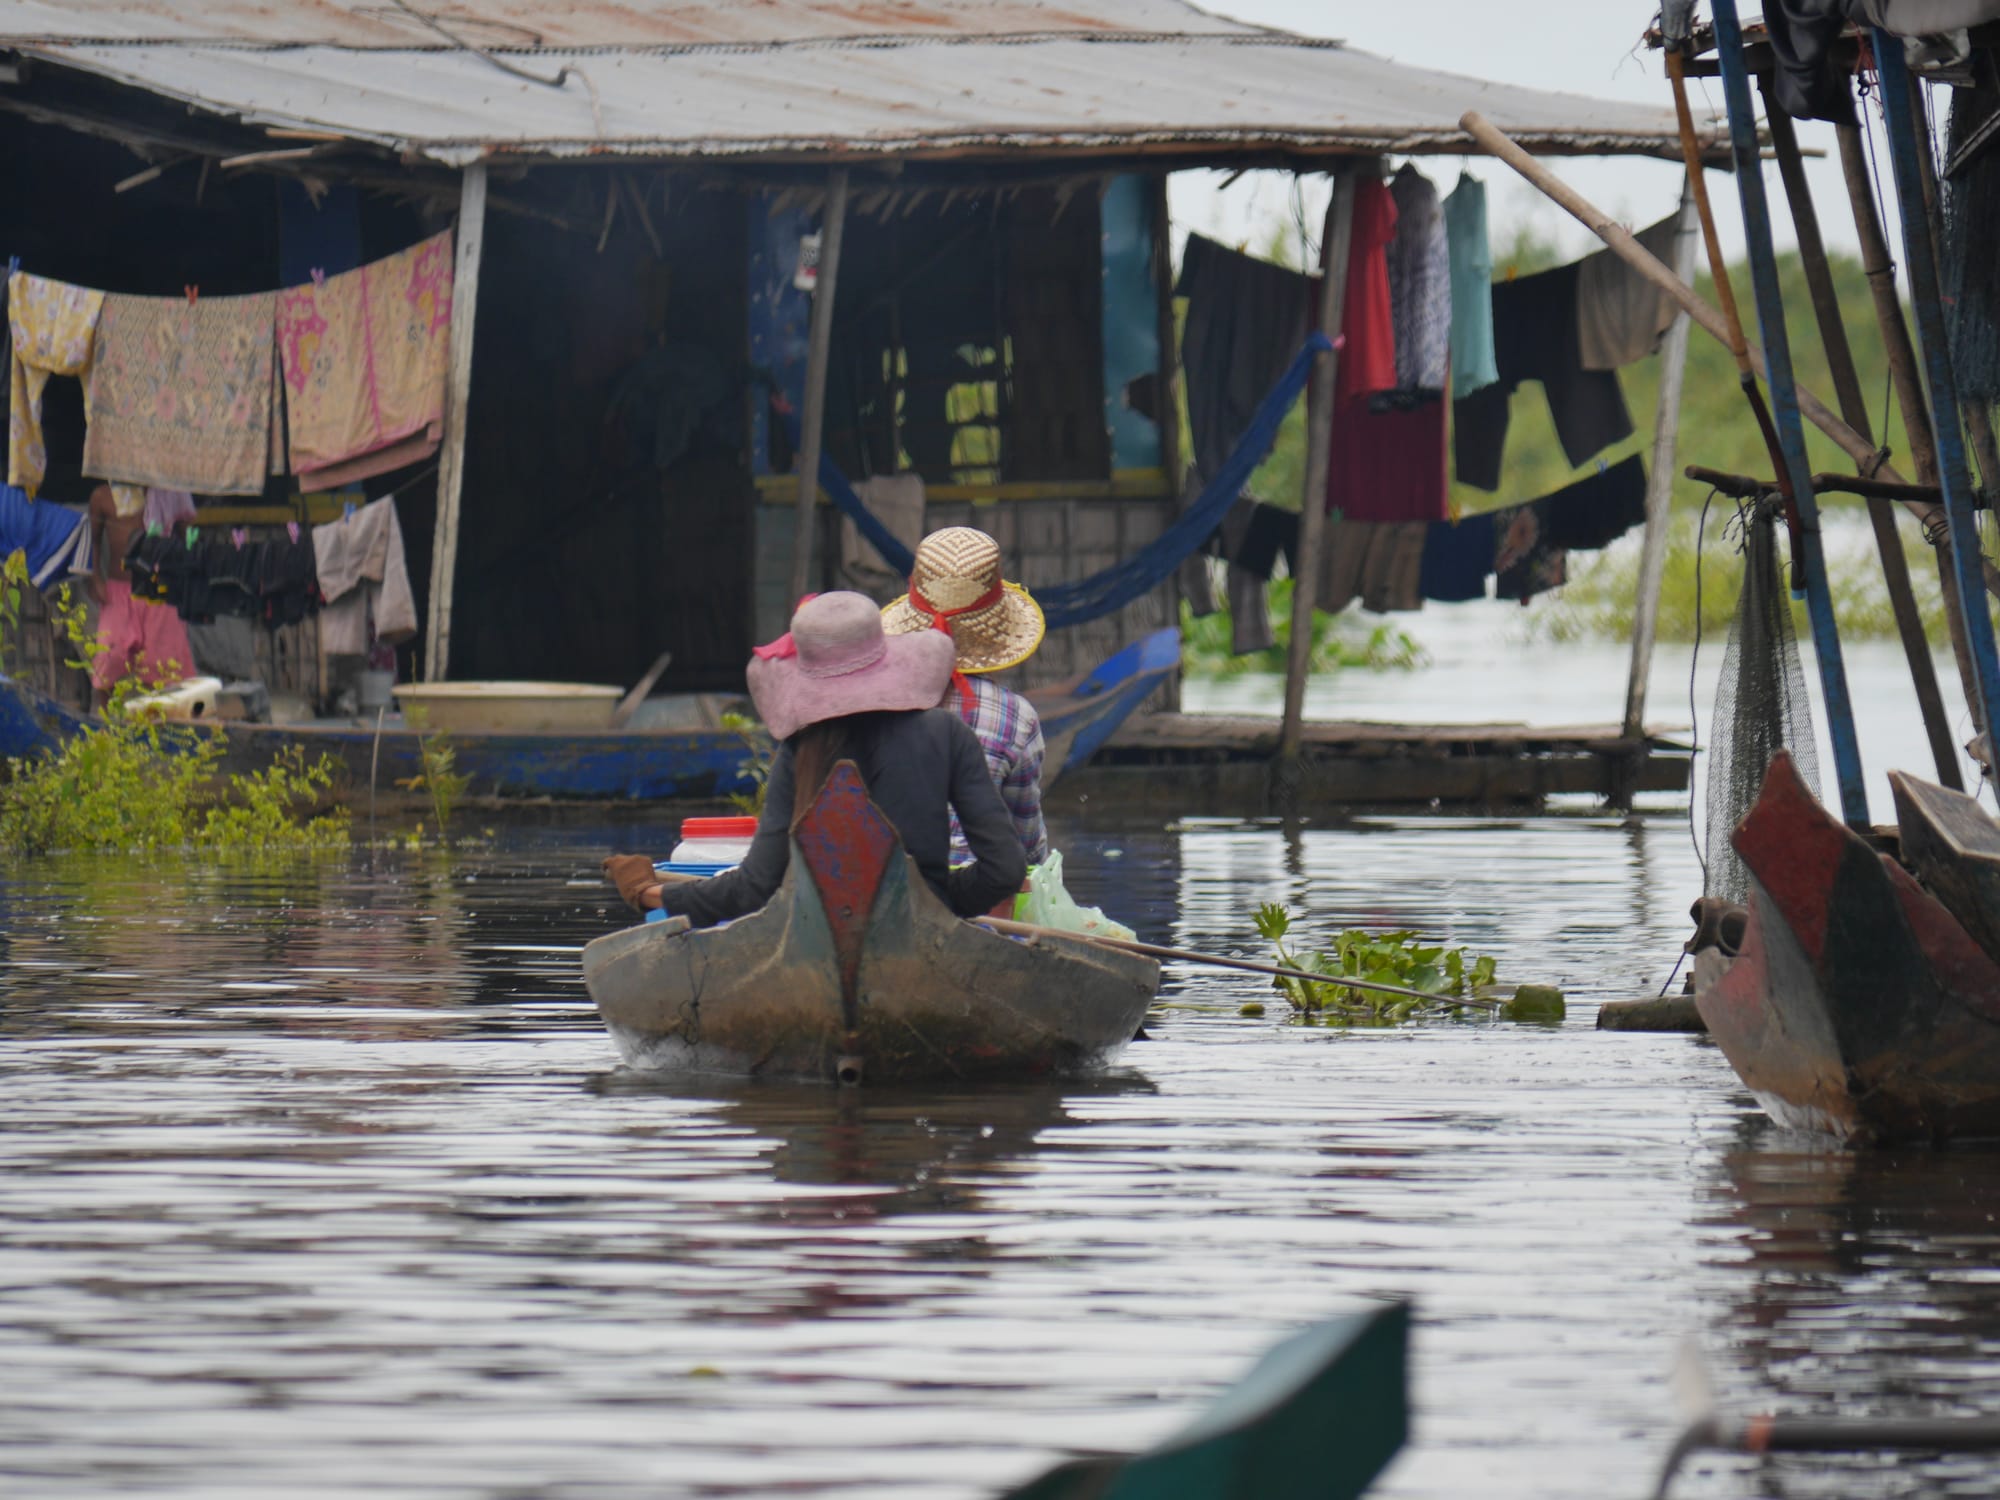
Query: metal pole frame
[
  {"x": 1953, "y": 475},
  {"x": 1744, "y": 147}
]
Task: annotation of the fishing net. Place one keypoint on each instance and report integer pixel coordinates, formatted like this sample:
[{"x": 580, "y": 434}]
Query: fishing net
[{"x": 1760, "y": 705}]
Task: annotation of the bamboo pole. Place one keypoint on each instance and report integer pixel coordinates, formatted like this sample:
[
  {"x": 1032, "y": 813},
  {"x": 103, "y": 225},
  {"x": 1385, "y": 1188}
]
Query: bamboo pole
[
  {"x": 1808, "y": 554},
  {"x": 1854, "y": 410},
  {"x": 812, "y": 421},
  {"x": 1660, "y": 486},
  {"x": 1621, "y": 240},
  {"x": 1336, "y": 241},
  {"x": 1902, "y": 359},
  {"x": 1905, "y": 149},
  {"x": 451, "y": 461}
]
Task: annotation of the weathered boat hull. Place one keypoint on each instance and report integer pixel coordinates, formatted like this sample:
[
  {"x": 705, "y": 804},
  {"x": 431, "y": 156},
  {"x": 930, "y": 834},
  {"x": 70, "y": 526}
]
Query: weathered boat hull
[
  {"x": 855, "y": 971},
  {"x": 1953, "y": 845},
  {"x": 1858, "y": 1006},
  {"x": 632, "y": 766}
]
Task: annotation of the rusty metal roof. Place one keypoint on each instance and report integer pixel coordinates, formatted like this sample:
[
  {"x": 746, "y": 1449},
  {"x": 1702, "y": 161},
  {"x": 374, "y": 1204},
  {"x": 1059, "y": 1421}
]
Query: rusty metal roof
[{"x": 795, "y": 78}]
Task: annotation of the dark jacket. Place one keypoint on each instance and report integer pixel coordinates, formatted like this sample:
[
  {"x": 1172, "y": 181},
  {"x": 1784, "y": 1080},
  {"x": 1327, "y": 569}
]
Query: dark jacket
[{"x": 918, "y": 765}]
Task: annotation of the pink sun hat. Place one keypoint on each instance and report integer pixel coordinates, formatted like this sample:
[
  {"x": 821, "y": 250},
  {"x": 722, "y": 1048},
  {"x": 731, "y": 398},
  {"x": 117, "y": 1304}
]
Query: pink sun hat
[{"x": 837, "y": 661}]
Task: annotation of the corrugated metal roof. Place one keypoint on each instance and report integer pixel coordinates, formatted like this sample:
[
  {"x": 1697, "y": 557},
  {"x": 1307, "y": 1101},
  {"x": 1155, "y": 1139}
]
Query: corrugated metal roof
[
  {"x": 526, "y": 24},
  {"x": 795, "y": 78}
]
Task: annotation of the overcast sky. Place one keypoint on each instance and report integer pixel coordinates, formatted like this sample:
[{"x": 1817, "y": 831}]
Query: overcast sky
[{"x": 1577, "y": 46}]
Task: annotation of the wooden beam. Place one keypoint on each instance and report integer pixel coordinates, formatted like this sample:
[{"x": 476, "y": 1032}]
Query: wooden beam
[
  {"x": 1854, "y": 411},
  {"x": 451, "y": 462},
  {"x": 1660, "y": 482},
  {"x": 1167, "y": 402},
  {"x": 1335, "y": 244},
  {"x": 819, "y": 340}
]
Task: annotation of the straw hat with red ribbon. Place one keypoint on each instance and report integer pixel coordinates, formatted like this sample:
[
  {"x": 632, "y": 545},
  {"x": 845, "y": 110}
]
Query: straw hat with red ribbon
[{"x": 956, "y": 587}]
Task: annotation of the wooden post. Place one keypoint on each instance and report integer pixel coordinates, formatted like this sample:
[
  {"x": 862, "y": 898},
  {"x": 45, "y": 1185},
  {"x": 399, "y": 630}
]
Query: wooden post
[
  {"x": 451, "y": 460},
  {"x": 1902, "y": 359},
  {"x": 1335, "y": 242},
  {"x": 1659, "y": 489},
  {"x": 1168, "y": 400},
  {"x": 1854, "y": 411},
  {"x": 813, "y": 420}
]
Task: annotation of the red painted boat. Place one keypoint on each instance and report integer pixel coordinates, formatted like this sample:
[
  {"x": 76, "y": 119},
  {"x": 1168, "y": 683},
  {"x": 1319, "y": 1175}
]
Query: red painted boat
[
  {"x": 1858, "y": 1005},
  {"x": 856, "y": 970}
]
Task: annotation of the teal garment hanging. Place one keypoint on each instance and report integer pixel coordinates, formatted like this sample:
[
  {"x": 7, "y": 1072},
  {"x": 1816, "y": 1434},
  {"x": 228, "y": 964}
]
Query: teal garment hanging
[{"x": 1472, "y": 363}]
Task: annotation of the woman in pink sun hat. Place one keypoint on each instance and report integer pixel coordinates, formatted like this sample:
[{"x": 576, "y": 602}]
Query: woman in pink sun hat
[{"x": 837, "y": 688}]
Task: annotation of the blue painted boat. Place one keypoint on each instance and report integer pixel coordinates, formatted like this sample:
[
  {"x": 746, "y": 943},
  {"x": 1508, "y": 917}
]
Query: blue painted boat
[{"x": 1078, "y": 716}]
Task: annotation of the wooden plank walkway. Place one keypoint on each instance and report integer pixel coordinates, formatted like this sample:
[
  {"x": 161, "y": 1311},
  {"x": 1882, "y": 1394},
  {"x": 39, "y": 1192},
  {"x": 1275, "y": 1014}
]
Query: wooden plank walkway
[{"x": 1223, "y": 764}]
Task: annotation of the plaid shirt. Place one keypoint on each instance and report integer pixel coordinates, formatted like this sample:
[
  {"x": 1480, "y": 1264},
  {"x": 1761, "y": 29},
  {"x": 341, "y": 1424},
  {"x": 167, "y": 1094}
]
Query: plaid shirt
[{"x": 1010, "y": 732}]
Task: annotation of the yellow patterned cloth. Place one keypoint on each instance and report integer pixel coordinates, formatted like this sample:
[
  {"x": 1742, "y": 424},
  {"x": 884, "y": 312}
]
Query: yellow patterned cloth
[
  {"x": 54, "y": 326},
  {"x": 364, "y": 356},
  {"x": 180, "y": 393}
]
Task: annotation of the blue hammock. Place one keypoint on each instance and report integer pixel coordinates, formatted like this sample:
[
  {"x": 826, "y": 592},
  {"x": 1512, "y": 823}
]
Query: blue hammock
[{"x": 1118, "y": 585}]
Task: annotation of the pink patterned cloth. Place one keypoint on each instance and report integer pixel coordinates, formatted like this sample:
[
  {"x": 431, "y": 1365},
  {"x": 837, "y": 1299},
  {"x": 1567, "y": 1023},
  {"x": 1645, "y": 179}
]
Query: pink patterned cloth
[
  {"x": 179, "y": 393},
  {"x": 364, "y": 356}
]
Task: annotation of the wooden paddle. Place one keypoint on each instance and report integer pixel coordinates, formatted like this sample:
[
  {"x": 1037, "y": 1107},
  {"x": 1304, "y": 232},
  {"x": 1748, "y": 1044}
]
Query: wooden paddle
[
  {"x": 629, "y": 704},
  {"x": 1248, "y": 966}
]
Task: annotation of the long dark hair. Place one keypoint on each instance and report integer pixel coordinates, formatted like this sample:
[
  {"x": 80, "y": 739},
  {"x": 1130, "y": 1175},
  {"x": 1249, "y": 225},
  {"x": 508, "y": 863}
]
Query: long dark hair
[{"x": 816, "y": 750}]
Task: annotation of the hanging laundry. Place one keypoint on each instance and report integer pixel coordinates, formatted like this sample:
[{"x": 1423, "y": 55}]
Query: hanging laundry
[
  {"x": 1388, "y": 465},
  {"x": 179, "y": 394},
  {"x": 1621, "y": 316},
  {"x": 1596, "y": 511},
  {"x": 1197, "y": 581},
  {"x": 1343, "y": 557},
  {"x": 1457, "y": 559},
  {"x": 364, "y": 357},
  {"x": 1535, "y": 338},
  {"x": 53, "y": 327},
  {"x": 359, "y": 563},
  {"x": 1246, "y": 319},
  {"x": 128, "y": 500},
  {"x": 165, "y": 509},
  {"x": 1419, "y": 262},
  {"x": 1472, "y": 367},
  {"x": 1392, "y": 575},
  {"x": 224, "y": 647},
  {"x": 1260, "y": 535},
  {"x": 138, "y": 638},
  {"x": 1249, "y": 605},
  {"x": 1525, "y": 562},
  {"x": 288, "y": 581},
  {"x": 897, "y": 501},
  {"x": 1367, "y": 320},
  {"x": 53, "y": 538},
  {"x": 1804, "y": 34}
]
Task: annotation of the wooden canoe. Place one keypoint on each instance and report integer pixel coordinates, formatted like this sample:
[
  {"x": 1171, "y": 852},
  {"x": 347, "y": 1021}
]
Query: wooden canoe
[
  {"x": 855, "y": 970},
  {"x": 612, "y": 765},
  {"x": 1952, "y": 845},
  {"x": 1859, "y": 1006},
  {"x": 1317, "y": 1418}
]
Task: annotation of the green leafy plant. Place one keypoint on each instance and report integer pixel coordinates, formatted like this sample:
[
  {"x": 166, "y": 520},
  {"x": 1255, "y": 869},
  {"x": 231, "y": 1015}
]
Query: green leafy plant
[
  {"x": 440, "y": 778},
  {"x": 13, "y": 583},
  {"x": 1339, "y": 642},
  {"x": 133, "y": 782},
  {"x": 1397, "y": 958},
  {"x": 756, "y": 764}
]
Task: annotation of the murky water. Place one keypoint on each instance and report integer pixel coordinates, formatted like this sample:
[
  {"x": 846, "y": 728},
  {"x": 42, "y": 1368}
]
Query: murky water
[{"x": 323, "y": 1182}]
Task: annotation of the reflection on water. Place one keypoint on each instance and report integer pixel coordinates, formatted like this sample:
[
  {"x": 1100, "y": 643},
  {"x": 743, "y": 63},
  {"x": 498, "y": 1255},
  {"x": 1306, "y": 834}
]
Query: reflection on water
[{"x": 323, "y": 1180}]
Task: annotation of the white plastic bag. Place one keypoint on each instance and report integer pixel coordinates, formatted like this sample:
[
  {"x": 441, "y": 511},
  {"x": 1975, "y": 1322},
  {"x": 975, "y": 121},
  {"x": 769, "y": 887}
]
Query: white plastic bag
[{"x": 1047, "y": 903}]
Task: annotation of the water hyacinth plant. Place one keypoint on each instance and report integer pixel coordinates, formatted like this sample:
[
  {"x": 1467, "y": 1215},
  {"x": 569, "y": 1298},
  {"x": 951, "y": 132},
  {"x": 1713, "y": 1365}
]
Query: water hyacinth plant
[{"x": 1397, "y": 958}]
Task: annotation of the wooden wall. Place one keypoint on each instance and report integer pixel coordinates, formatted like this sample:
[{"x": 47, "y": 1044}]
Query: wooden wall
[{"x": 1041, "y": 542}]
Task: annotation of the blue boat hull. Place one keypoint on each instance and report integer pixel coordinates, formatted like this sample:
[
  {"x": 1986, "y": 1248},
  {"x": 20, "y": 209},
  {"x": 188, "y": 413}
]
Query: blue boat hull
[{"x": 658, "y": 765}]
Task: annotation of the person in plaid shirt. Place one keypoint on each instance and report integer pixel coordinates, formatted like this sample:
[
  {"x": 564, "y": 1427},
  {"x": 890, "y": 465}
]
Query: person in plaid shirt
[{"x": 956, "y": 587}]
